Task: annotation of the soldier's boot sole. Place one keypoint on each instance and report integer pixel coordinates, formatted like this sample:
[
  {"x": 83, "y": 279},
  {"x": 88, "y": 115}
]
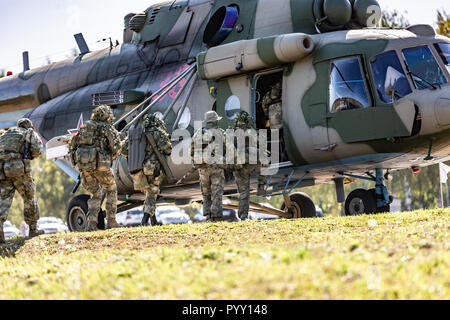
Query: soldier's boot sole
[
  {"x": 92, "y": 225},
  {"x": 112, "y": 224}
]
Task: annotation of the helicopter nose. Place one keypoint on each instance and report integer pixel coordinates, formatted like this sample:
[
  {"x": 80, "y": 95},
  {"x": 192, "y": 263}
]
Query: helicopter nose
[{"x": 442, "y": 107}]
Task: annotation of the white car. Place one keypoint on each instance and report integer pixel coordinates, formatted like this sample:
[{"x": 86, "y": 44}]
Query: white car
[
  {"x": 51, "y": 225},
  {"x": 171, "y": 215},
  {"x": 130, "y": 218},
  {"x": 9, "y": 230}
]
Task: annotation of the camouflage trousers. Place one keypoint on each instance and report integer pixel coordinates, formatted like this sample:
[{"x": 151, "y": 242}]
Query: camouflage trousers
[
  {"x": 212, "y": 181},
  {"x": 242, "y": 177},
  {"x": 93, "y": 182},
  {"x": 27, "y": 189},
  {"x": 151, "y": 194}
]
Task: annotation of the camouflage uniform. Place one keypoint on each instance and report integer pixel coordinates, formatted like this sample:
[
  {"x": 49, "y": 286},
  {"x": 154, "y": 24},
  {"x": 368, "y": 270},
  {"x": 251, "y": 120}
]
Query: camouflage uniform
[
  {"x": 242, "y": 173},
  {"x": 271, "y": 104},
  {"x": 92, "y": 150},
  {"x": 212, "y": 176},
  {"x": 149, "y": 179},
  {"x": 18, "y": 146}
]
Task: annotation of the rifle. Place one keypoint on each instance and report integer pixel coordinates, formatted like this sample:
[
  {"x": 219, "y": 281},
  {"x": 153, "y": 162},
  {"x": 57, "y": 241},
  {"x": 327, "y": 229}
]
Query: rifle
[
  {"x": 161, "y": 159},
  {"x": 187, "y": 175},
  {"x": 26, "y": 145}
]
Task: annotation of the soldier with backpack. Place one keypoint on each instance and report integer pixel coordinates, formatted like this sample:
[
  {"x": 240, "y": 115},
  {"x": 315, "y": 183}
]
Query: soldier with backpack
[
  {"x": 18, "y": 147},
  {"x": 93, "y": 150}
]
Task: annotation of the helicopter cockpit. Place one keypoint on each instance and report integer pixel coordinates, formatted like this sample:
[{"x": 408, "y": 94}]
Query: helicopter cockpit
[{"x": 423, "y": 67}]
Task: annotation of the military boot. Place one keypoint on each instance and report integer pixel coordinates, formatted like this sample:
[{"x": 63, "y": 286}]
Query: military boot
[
  {"x": 111, "y": 223},
  {"x": 153, "y": 220},
  {"x": 34, "y": 231},
  {"x": 92, "y": 224},
  {"x": 2, "y": 235},
  {"x": 145, "y": 220}
]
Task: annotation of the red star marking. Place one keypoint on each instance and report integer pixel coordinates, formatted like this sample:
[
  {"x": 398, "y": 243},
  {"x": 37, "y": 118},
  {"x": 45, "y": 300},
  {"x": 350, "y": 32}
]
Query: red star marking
[{"x": 80, "y": 124}]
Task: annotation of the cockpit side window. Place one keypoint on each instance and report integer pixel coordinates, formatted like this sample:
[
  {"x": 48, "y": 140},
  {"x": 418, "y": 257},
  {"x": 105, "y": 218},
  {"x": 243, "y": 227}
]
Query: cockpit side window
[
  {"x": 424, "y": 69},
  {"x": 444, "y": 51},
  {"x": 347, "y": 86},
  {"x": 389, "y": 76}
]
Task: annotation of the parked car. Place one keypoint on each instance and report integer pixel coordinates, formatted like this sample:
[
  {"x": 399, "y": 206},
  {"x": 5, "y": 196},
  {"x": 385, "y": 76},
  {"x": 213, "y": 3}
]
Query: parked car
[
  {"x": 171, "y": 215},
  {"x": 50, "y": 225},
  {"x": 9, "y": 230},
  {"x": 130, "y": 218}
]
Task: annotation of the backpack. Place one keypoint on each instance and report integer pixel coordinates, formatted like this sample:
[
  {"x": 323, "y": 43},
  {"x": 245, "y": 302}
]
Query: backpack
[{"x": 12, "y": 141}]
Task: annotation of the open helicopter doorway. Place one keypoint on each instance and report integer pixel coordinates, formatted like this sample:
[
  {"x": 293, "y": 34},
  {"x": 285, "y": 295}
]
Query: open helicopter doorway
[{"x": 268, "y": 107}]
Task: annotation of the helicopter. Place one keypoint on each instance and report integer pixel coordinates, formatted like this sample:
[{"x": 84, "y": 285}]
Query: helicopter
[{"x": 358, "y": 101}]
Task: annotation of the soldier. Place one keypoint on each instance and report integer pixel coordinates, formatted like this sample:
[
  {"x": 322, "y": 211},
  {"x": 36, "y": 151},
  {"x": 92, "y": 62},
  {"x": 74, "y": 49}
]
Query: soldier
[
  {"x": 18, "y": 146},
  {"x": 149, "y": 178},
  {"x": 93, "y": 150},
  {"x": 271, "y": 104},
  {"x": 273, "y": 111},
  {"x": 243, "y": 172},
  {"x": 210, "y": 166}
]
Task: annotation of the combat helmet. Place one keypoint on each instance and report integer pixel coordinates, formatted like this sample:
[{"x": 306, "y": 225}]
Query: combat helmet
[
  {"x": 103, "y": 113},
  {"x": 25, "y": 123},
  {"x": 211, "y": 117},
  {"x": 243, "y": 119}
]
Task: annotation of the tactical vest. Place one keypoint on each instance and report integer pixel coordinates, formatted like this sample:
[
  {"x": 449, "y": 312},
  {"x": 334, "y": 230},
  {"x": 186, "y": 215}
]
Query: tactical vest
[
  {"x": 200, "y": 157},
  {"x": 12, "y": 144},
  {"x": 89, "y": 154}
]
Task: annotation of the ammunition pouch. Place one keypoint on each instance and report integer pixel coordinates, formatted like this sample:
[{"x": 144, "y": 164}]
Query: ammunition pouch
[
  {"x": 14, "y": 168},
  {"x": 104, "y": 161},
  {"x": 86, "y": 158},
  {"x": 140, "y": 180},
  {"x": 149, "y": 168}
]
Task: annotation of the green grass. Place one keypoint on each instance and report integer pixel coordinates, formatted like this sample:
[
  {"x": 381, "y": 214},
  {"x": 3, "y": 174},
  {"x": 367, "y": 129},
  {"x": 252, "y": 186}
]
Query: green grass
[{"x": 392, "y": 256}]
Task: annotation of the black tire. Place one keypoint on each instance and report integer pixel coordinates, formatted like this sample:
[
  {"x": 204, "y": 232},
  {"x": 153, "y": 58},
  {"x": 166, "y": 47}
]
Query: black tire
[
  {"x": 303, "y": 206},
  {"x": 76, "y": 213},
  {"x": 384, "y": 209},
  {"x": 359, "y": 202}
]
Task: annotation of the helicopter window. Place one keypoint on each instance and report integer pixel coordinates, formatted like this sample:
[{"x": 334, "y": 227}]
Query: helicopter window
[
  {"x": 423, "y": 68},
  {"x": 444, "y": 51},
  {"x": 389, "y": 76},
  {"x": 347, "y": 85},
  {"x": 232, "y": 107}
]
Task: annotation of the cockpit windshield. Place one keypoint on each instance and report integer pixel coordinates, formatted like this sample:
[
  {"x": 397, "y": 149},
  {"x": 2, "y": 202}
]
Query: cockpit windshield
[
  {"x": 424, "y": 69},
  {"x": 389, "y": 76},
  {"x": 444, "y": 51}
]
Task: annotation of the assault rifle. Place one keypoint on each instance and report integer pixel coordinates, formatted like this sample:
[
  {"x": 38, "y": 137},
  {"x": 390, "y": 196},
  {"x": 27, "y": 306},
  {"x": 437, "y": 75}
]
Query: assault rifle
[{"x": 162, "y": 160}]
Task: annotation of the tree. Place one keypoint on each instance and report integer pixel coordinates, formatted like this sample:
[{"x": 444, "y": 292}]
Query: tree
[
  {"x": 394, "y": 19},
  {"x": 443, "y": 23},
  {"x": 2, "y": 73}
]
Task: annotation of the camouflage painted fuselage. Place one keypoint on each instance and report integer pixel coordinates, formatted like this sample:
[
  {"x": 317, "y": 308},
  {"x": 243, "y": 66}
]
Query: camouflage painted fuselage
[{"x": 322, "y": 142}]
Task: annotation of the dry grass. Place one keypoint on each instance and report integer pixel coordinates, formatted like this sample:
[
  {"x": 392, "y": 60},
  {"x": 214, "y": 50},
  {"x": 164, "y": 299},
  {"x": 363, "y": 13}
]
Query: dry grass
[{"x": 393, "y": 256}]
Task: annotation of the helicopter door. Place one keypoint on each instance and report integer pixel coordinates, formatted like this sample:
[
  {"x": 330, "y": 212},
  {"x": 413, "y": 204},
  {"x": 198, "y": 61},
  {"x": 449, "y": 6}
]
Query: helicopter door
[
  {"x": 350, "y": 115},
  {"x": 267, "y": 91}
]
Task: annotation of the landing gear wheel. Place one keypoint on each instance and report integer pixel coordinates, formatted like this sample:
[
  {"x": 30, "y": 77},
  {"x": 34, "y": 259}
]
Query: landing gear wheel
[
  {"x": 302, "y": 206},
  {"x": 76, "y": 213},
  {"x": 359, "y": 202},
  {"x": 386, "y": 208}
]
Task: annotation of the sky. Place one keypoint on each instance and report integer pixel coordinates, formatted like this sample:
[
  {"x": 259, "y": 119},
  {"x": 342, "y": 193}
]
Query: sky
[{"x": 45, "y": 28}]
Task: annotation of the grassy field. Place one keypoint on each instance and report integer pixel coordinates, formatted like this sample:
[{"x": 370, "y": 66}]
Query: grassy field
[{"x": 393, "y": 256}]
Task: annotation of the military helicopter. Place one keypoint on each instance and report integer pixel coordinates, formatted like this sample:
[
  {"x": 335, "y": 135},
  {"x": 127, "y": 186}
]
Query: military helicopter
[{"x": 357, "y": 101}]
